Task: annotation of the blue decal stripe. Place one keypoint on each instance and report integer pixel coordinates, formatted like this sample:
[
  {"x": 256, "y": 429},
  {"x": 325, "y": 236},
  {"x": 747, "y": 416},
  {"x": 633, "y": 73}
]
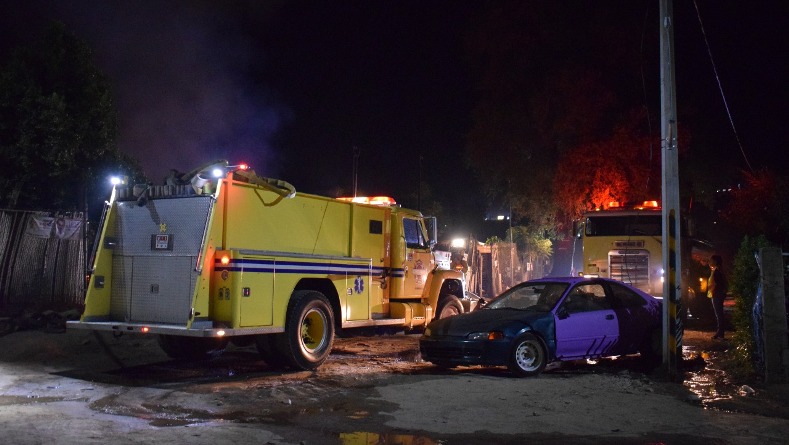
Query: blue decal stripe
[{"x": 294, "y": 267}]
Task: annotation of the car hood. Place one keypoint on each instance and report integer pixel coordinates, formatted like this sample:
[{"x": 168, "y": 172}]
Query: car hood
[{"x": 484, "y": 320}]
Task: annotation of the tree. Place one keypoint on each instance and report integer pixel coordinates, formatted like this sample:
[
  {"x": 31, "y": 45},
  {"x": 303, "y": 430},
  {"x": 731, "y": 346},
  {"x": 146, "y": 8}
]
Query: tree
[
  {"x": 624, "y": 167},
  {"x": 760, "y": 206},
  {"x": 544, "y": 92},
  {"x": 57, "y": 124}
]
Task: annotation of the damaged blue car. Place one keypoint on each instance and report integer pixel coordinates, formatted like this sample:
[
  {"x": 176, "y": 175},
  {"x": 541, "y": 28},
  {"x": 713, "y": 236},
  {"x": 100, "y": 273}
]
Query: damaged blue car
[{"x": 550, "y": 319}]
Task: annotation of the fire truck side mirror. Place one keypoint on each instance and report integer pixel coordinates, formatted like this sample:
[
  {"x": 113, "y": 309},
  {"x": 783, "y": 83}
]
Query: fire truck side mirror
[{"x": 431, "y": 225}]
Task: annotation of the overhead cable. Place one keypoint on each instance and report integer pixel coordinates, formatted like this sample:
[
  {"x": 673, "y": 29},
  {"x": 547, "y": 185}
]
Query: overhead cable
[{"x": 720, "y": 87}]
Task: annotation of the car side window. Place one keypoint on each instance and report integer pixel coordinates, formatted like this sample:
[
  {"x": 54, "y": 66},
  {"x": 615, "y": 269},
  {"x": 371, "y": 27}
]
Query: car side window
[
  {"x": 586, "y": 298},
  {"x": 624, "y": 297}
]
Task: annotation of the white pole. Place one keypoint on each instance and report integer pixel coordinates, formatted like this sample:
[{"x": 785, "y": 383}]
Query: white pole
[{"x": 672, "y": 284}]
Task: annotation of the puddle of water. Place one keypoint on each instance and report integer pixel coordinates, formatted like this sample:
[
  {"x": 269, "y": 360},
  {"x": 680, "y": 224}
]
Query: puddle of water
[
  {"x": 27, "y": 400},
  {"x": 708, "y": 383},
  {"x": 363, "y": 438}
]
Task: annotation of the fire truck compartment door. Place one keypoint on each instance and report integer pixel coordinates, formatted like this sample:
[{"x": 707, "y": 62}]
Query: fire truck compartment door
[
  {"x": 172, "y": 302},
  {"x": 256, "y": 293}
]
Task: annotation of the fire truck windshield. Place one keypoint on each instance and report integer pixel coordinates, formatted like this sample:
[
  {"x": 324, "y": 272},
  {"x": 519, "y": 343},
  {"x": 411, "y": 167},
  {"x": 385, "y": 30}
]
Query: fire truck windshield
[{"x": 624, "y": 225}]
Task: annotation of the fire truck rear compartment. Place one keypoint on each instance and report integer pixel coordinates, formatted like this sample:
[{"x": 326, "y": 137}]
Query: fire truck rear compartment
[{"x": 153, "y": 279}]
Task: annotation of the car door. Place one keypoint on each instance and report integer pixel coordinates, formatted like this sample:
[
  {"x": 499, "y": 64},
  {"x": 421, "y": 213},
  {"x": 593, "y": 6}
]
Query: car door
[
  {"x": 586, "y": 324},
  {"x": 635, "y": 318}
]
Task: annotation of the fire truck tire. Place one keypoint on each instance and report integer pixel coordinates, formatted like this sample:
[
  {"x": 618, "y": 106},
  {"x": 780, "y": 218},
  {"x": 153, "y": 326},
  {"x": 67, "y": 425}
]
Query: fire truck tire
[
  {"x": 449, "y": 305},
  {"x": 193, "y": 348},
  {"x": 269, "y": 351},
  {"x": 309, "y": 331}
]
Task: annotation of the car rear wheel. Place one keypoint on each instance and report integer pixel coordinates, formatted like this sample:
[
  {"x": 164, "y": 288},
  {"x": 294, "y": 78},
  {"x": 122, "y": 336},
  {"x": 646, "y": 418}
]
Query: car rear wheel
[
  {"x": 651, "y": 349},
  {"x": 528, "y": 356}
]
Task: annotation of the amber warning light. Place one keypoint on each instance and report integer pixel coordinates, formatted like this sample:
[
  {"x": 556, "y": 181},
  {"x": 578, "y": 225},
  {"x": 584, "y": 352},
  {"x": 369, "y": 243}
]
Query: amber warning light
[
  {"x": 225, "y": 260},
  {"x": 373, "y": 200}
]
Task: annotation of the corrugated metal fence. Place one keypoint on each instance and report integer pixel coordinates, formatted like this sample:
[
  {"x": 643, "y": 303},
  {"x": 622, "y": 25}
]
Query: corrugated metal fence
[
  {"x": 499, "y": 266},
  {"x": 42, "y": 257}
]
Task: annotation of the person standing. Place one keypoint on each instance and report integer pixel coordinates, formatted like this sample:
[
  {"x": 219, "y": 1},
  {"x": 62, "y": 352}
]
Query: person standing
[{"x": 716, "y": 291}]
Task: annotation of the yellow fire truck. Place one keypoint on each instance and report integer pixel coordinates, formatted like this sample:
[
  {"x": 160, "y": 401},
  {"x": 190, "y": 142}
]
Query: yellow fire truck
[
  {"x": 624, "y": 242},
  {"x": 243, "y": 258}
]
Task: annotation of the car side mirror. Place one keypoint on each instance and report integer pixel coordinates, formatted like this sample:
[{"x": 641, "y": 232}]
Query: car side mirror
[{"x": 562, "y": 313}]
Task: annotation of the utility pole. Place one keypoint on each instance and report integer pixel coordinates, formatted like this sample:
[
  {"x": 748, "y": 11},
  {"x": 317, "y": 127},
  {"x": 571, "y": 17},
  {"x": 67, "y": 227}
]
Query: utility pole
[{"x": 672, "y": 260}]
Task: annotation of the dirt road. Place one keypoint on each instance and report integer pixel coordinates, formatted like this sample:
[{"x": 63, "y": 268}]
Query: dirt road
[{"x": 82, "y": 387}]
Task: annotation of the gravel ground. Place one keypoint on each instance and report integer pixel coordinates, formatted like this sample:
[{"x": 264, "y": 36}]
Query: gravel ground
[{"x": 82, "y": 387}]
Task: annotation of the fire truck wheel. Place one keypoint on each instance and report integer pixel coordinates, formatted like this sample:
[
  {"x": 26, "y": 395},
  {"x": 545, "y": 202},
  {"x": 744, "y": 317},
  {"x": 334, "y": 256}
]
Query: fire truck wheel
[
  {"x": 309, "y": 330},
  {"x": 449, "y": 305},
  {"x": 269, "y": 352},
  {"x": 195, "y": 348}
]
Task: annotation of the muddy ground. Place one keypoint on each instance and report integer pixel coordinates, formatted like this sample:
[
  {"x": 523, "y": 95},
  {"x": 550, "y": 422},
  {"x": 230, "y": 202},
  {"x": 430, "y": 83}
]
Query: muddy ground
[{"x": 84, "y": 387}]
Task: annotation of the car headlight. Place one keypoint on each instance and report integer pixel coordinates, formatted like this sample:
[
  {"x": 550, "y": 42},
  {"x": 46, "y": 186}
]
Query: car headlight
[
  {"x": 491, "y": 335},
  {"x": 478, "y": 336}
]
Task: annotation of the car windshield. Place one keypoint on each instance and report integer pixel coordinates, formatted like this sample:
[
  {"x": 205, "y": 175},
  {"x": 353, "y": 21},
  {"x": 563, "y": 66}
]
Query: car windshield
[{"x": 530, "y": 296}]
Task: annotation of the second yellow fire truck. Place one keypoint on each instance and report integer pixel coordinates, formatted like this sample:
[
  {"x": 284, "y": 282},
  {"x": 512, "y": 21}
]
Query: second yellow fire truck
[
  {"x": 625, "y": 242},
  {"x": 226, "y": 255}
]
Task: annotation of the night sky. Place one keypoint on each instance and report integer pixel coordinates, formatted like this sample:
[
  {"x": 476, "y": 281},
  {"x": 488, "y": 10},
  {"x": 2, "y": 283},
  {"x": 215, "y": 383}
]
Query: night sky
[{"x": 293, "y": 87}]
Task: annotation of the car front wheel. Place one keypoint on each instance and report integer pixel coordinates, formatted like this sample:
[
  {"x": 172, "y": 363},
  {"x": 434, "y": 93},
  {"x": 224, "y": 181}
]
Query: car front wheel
[{"x": 528, "y": 356}]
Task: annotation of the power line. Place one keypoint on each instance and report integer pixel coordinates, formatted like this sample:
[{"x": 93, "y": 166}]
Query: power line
[{"x": 720, "y": 87}]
